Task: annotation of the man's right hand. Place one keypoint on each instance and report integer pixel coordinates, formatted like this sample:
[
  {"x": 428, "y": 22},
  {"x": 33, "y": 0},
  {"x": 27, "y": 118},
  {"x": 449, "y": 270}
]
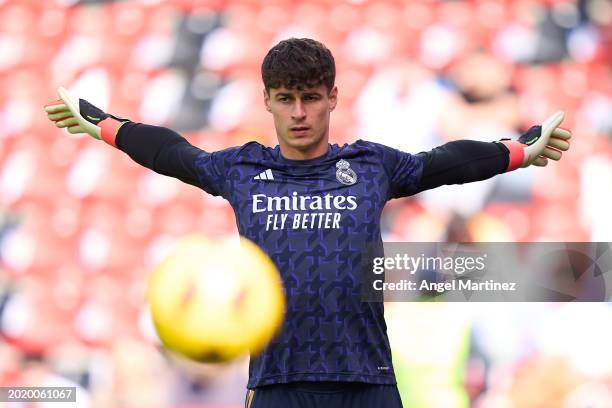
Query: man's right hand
[{"x": 80, "y": 116}]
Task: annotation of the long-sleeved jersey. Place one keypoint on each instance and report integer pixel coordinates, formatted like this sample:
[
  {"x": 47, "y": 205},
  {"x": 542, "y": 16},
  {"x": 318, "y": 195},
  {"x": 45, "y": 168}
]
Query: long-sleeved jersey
[{"x": 315, "y": 219}]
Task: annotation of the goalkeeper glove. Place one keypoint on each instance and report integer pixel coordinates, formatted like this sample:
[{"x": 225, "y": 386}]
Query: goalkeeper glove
[
  {"x": 80, "y": 116},
  {"x": 539, "y": 144}
]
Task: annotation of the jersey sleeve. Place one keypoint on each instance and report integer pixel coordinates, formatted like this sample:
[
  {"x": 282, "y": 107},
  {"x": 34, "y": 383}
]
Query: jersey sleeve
[
  {"x": 213, "y": 170},
  {"x": 404, "y": 170},
  {"x": 166, "y": 152}
]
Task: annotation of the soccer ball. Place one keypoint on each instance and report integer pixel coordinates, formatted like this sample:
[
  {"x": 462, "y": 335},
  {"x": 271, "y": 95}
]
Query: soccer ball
[{"x": 213, "y": 301}]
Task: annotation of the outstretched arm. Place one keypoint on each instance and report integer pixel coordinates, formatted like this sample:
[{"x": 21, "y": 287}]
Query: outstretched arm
[
  {"x": 461, "y": 161},
  {"x": 157, "y": 148},
  {"x": 161, "y": 150},
  {"x": 466, "y": 161}
]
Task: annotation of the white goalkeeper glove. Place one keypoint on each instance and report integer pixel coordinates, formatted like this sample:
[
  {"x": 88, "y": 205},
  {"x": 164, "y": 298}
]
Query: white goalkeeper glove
[
  {"x": 539, "y": 144},
  {"x": 80, "y": 116}
]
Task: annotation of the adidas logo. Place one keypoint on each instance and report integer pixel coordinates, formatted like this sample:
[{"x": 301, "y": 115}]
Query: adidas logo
[{"x": 264, "y": 175}]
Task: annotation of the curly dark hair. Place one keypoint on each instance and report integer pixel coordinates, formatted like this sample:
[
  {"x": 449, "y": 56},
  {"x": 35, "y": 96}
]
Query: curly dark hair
[{"x": 298, "y": 63}]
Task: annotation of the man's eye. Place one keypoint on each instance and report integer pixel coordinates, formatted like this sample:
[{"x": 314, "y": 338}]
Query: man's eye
[
  {"x": 311, "y": 98},
  {"x": 283, "y": 99}
]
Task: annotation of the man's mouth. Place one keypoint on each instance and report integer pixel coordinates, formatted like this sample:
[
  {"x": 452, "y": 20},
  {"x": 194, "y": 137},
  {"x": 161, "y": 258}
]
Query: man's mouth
[{"x": 299, "y": 130}]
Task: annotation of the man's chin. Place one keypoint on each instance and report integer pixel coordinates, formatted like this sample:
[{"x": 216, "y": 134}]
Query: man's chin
[{"x": 303, "y": 143}]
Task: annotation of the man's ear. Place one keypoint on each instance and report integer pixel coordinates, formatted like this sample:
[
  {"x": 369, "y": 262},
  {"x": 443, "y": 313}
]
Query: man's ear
[
  {"x": 333, "y": 98},
  {"x": 266, "y": 96}
]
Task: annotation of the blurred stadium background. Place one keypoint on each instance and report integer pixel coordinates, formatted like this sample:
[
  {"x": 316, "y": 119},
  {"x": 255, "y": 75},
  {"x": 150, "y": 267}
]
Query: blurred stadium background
[{"x": 81, "y": 225}]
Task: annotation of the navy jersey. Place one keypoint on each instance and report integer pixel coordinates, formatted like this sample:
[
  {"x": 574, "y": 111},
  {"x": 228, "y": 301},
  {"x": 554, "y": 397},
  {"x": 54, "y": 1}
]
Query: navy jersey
[{"x": 316, "y": 219}]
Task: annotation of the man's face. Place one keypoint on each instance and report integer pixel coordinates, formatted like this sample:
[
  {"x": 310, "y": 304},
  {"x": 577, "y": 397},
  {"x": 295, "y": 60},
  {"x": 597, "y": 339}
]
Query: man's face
[{"x": 301, "y": 119}]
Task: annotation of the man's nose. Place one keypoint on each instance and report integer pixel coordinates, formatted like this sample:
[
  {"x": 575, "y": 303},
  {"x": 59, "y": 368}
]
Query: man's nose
[{"x": 298, "y": 111}]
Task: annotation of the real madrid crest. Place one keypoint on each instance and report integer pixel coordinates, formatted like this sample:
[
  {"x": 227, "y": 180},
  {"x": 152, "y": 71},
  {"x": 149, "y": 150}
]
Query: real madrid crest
[{"x": 345, "y": 174}]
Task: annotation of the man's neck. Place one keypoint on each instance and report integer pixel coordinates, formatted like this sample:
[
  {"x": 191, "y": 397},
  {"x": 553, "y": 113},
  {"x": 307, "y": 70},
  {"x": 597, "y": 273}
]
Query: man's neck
[{"x": 306, "y": 154}]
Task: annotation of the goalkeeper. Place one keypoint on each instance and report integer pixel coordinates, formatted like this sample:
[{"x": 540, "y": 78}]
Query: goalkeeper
[{"x": 332, "y": 350}]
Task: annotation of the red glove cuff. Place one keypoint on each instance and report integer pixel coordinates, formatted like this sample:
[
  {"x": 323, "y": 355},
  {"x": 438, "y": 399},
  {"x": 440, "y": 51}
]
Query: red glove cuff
[
  {"x": 517, "y": 154},
  {"x": 108, "y": 130}
]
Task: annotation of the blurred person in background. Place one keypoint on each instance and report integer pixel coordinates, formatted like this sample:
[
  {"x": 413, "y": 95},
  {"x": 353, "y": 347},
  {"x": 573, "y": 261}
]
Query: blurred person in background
[{"x": 345, "y": 189}]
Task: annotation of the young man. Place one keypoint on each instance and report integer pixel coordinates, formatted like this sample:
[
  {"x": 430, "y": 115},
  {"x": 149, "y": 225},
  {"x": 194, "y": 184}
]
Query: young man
[{"x": 314, "y": 207}]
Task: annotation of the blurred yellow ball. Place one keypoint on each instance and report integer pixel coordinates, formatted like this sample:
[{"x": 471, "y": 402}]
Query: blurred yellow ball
[{"x": 213, "y": 301}]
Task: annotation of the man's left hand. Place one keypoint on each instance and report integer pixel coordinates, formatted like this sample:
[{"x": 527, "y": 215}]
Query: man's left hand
[{"x": 539, "y": 143}]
